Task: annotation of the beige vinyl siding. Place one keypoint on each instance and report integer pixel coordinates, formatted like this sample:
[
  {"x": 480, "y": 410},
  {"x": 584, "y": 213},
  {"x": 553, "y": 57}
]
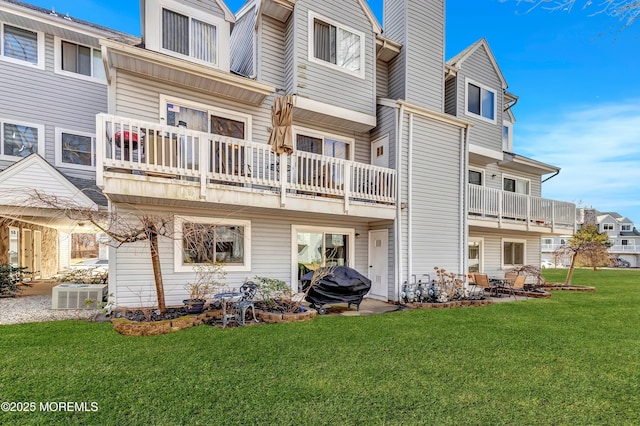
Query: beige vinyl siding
[
  {"x": 271, "y": 238},
  {"x": 435, "y": 201},
  {"x": 211, "y": 7},
  {"x": 382, "y": 79},
  {"x": 326, "y": 84},
  {"x": 272, "y": 52},
  {"x": 478, "y": 68},
  {"x": 43, "y": 97},
  {"x": 242, "y": 44},
  {"x": 290, "y": 61},
  {"x": 450, "y": 92},
  {"x": 535, "y": 186},
  {"x": 139, "y": 97},
  {"x": 425, "y": 54},
  {"x": 492, "y": 248}
]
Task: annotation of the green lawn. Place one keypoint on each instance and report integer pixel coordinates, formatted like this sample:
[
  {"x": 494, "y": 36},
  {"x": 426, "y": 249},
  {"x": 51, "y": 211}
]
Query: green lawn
[{"x": 572, "y": 359}]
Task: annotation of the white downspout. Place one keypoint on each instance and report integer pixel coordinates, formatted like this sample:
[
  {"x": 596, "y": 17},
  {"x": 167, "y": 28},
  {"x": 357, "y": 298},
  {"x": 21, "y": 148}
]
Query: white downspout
[
  {"x": 400, "y": 120},
  {"x": 409, "y": 200},
  {"x": 464, "y": 229}
]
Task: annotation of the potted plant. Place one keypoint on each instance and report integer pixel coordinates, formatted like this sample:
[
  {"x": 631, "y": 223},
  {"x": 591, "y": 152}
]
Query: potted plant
[{"x": 208, "y": 278}]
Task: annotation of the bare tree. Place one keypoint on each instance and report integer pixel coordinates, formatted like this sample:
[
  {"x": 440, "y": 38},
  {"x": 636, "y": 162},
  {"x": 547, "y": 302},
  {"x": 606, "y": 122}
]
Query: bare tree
[
  {"x": 130, "y": 228},
  {"x": 625, "y": 11},
  {"x": 588, "y": 243}
]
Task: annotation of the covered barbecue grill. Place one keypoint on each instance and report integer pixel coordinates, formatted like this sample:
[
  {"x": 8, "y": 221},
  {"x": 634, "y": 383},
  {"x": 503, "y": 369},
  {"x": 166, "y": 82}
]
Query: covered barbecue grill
[{"x": 343, "y": 285}]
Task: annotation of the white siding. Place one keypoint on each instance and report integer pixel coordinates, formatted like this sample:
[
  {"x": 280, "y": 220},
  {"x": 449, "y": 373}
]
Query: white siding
[{"x": 323, "y": 83}]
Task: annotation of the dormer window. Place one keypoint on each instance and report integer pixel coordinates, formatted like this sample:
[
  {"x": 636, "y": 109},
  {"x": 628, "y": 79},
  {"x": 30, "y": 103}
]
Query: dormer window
[
  {"x": 626, "y": 228},
  {"x": 189, "y": 36},
  {"x": 481, "y": 101},
  {"x": 336, "y": 45}
]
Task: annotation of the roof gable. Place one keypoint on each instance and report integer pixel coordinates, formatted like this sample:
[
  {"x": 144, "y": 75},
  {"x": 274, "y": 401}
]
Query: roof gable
[
  {"x": 458, "y": 60},
  {"x": 16, "y": 184}
]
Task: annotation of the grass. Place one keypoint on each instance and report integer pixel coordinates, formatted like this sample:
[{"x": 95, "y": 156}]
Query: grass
[{"x": 572, "y": 359}]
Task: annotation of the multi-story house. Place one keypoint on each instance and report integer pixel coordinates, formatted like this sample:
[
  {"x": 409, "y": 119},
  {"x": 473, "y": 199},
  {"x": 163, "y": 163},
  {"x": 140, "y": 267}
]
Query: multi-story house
[
  {"x": 506, "y": 214},
  {"x": 623, "y": 236},
  {"x": 52, "y": 85},
  {"x": 294, "y": 134}
]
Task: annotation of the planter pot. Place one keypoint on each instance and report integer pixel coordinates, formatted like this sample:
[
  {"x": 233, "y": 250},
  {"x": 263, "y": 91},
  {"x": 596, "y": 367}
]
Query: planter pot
[{"x": 194, "y": 306}]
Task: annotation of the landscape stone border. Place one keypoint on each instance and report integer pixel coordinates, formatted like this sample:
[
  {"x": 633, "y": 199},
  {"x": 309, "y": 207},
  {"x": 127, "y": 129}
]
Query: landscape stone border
[
  {"x": 452, "y": 304},
  {"x": 562, "y": 287}
]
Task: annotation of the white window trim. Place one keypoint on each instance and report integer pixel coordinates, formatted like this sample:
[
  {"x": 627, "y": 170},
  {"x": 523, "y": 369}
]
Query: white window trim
[
  {"x": 41, "y": 48},
  {"x": 627, "y": 226},
  {"x": 480, "y": 241},
  {"x": 605, "y": 225},
  {"x": 57, "y": 54},
  {"x": 210, "y": 110},
  {"x": 177, "y": 245},
  {"x": 350, "y": 232},
  {"x": 297, "y": 130},
  {"x": 509, "y": 147},
  {"x": 479, "y": 170},
  {"x": 58, "y": 149},
  {"x": 191, "y": 13},
  {"x": 468, "y": 81},
  {"x": 310, "y": 47},
  {"x": 40, "y": 128},
  {"x": 513, "y": 240},
  {"x": 516, "y": 178}
]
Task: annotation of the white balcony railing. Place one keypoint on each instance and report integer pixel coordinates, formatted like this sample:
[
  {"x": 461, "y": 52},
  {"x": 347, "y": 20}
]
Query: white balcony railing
[
  {"x": 128, "y": 145},
  {"x": 508, "y": 206}
]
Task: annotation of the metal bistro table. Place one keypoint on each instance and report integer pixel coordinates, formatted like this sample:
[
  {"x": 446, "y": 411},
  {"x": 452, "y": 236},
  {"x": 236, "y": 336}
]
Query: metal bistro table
[{"x": 225, "y": 298}]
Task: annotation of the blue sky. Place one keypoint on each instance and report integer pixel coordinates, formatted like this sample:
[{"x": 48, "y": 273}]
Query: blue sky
[{"x": 575, "y": 74}]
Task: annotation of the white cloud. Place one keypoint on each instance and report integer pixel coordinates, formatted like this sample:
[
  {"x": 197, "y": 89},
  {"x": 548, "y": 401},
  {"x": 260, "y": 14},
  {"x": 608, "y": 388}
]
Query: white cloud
[{"x": 598, "y": 150}]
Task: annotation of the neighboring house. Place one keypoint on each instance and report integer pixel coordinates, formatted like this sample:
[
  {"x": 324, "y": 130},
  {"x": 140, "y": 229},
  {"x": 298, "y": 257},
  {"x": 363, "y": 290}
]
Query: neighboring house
[
  {"x": 506, "y": 214},
  {"x": 294, "y": 135},
  {"x": 623, "y": 235},
  {"x": 52, "y": 86}
]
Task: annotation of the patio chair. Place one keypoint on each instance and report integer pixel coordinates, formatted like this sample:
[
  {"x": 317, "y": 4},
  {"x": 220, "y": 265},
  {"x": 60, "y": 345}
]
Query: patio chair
[
  {"x": 239, "y": 308},
  {"x": 482, "y": 281},
  {"x": 513, "y": 283}
]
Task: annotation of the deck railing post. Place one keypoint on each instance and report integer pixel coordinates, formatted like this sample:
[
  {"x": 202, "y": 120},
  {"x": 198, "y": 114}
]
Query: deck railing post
[{"x": 283, "y": 178}]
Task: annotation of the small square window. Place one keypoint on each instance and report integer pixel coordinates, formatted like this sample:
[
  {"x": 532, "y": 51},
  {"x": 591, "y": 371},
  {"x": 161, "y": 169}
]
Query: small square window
[
  {"x": 475, "y": 177},
  {"x": 513, "y": 253},
  {"x": 19, "y": 140}
]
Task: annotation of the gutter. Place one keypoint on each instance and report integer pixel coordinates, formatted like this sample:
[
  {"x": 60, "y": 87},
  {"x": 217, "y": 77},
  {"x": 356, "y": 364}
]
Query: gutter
[
  {"x": 398, "y": 230},
  {"x": 551, "y": 177}
]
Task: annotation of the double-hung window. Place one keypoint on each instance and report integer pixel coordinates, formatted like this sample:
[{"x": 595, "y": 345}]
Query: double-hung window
[
  {"x": 607, "y": 226},
  {"x": 79, "y": 60},
  {"x": 625, "y": 228},
  {"x": 21, "y": 45},
  {"x": 336, "y": 45},
  {"x": 481, "y": 101},
  {"x": 475, "y": 177},
  {"x": 190, "y": 37},
  {"x": 75, "y": 149},
  {"x": 205, "y": 240},
  {"x": 20, "y": 139}
]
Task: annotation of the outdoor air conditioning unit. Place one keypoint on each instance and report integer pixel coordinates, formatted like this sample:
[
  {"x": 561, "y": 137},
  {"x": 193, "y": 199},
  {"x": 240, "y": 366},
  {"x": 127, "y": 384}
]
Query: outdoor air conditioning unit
[{"x": 75, "y": 296}]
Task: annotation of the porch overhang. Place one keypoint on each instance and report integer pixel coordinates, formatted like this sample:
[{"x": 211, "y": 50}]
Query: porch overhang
[
  {"x": 482, "y": 155},
  {"x": 184, "y": 73},
  {"x": 334, "y": 116},
  {"x": 527, "y": 165}
]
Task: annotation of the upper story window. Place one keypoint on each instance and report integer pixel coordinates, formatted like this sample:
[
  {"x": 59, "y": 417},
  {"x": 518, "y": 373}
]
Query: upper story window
[
  {"x": 22, "y": 46},
  {"x": 336, "y": 45},
  {"x": 188, "y": 36},
  {"x": 607, "y": 226},
  {"x": 626, "y": 228},
  {"x": 513, "y": 184},
  {"x": 79, "y": 60},
  {"x": 21, "y": 139},
  {"x": 481, "y": 101},
  {"x": 75, "y": 149},
  {"x": 329, "y": 145},
  {"x": 206, "y": 119},
  {"x": 475, "y": 177}
]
